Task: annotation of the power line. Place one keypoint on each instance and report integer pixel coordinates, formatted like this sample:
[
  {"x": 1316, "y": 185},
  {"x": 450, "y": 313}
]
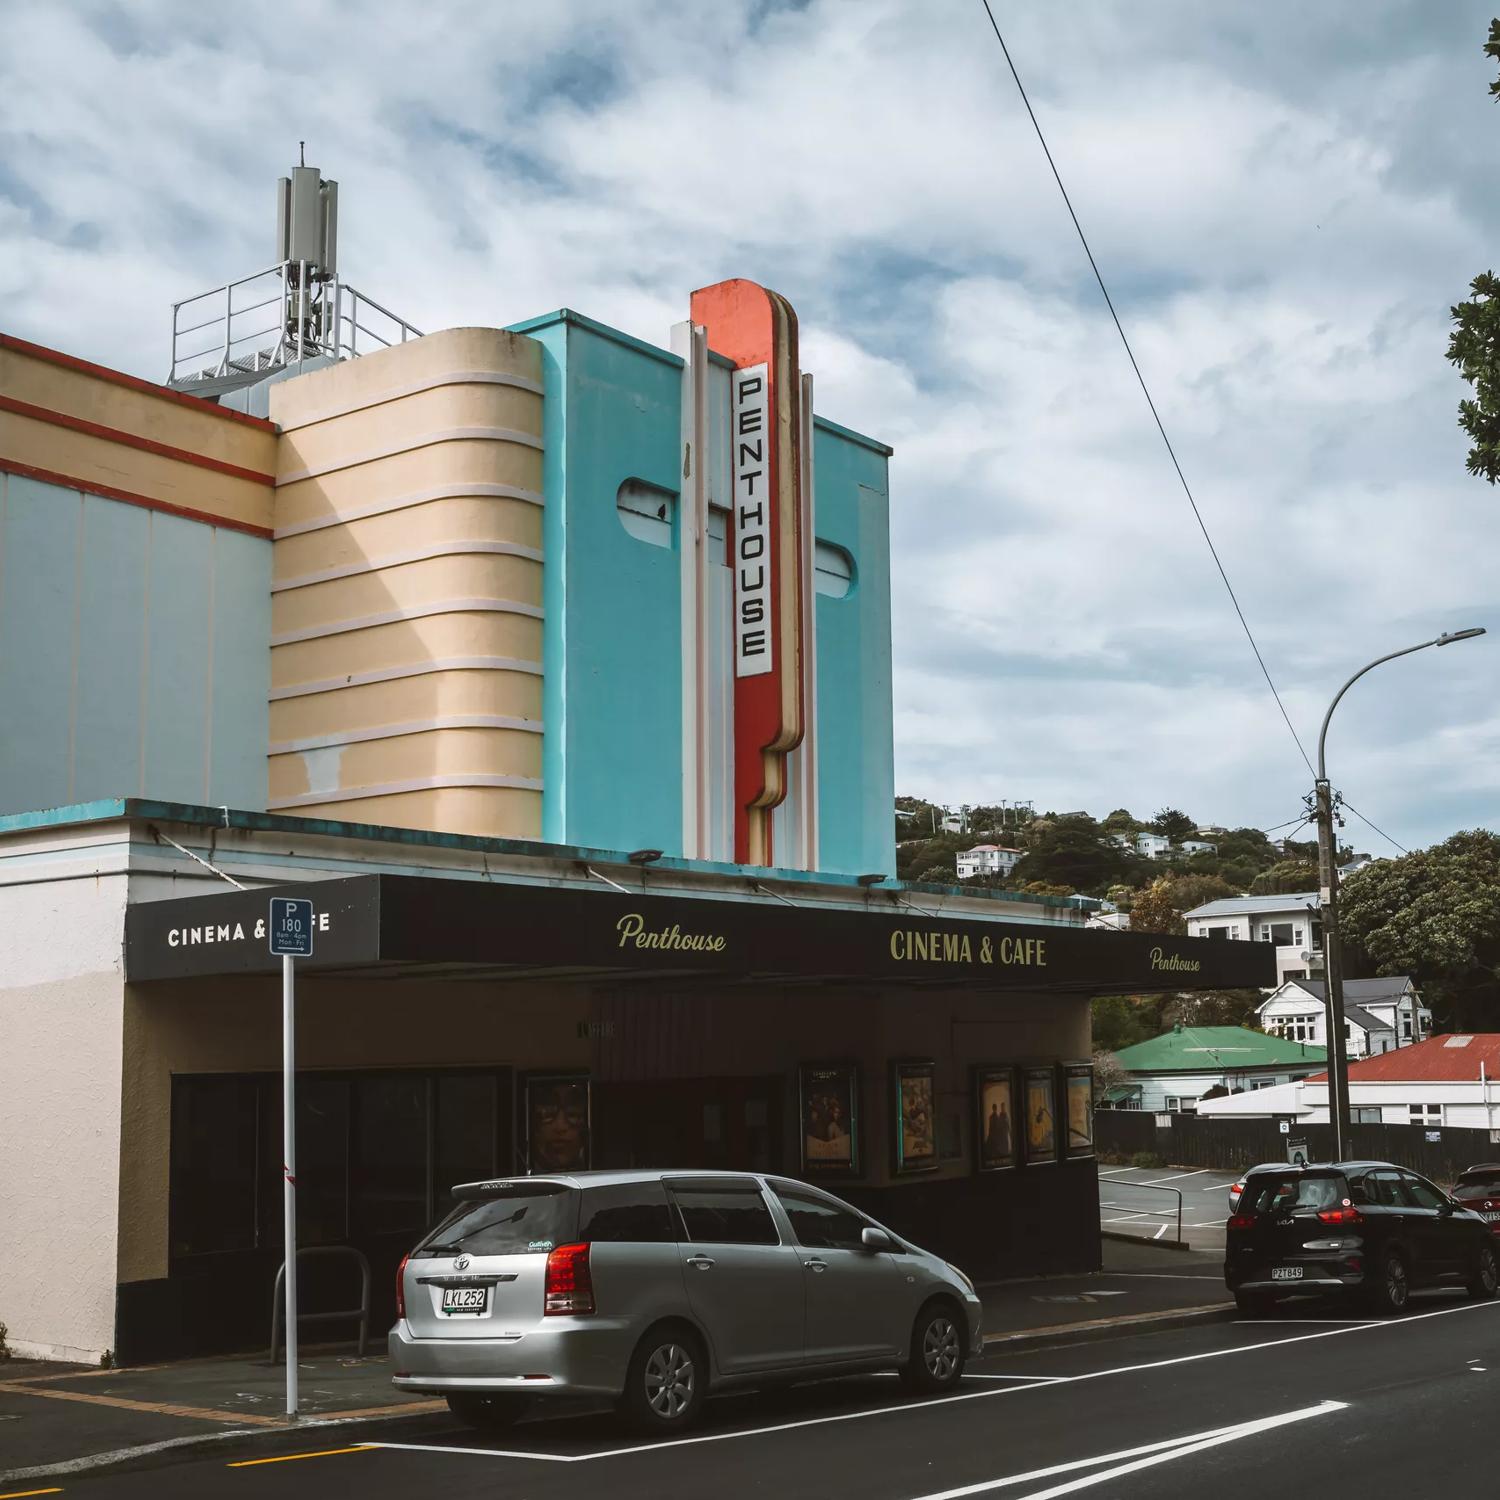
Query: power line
[
  {"x": 1145, "y": 390},
  {"x": 1290, "y": 823},
  {"x": 1363, "y": 819}
]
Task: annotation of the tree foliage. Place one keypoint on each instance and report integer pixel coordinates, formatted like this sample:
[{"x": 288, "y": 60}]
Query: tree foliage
[
  {"x": 1285, "y": 876},
  {"x": 1071, "y": 851},
  {"x": 1435, "y": 915},
  {"x": 1153, "y": 911},
  {"x": 1174, "y": 825}
]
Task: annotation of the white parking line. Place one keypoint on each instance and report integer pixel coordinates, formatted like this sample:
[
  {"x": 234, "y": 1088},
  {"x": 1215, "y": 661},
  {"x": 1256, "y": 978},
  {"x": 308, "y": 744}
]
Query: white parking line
[
  {"x": 1161, "y": 1231},
  {"x": 1218, "y": 1187},
  {"x": 1115, "y": 1171},
  {"x": 1176, "y": 1177},
  {"x": 1040, "y": 1382},
  {"x": 1156, "y": 1453}
]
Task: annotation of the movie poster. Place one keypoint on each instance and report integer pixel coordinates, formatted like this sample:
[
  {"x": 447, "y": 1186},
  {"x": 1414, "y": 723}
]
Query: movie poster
[
  {"x": 557, "y": 1124},
  {"x": 830, "y": 1119},
  {"x": 916, "y": 1116},
  {"x": 1078, "y": 1091},
  {"x": 1041, "y": 1120},
  {"x": 995, "y": 1133}
]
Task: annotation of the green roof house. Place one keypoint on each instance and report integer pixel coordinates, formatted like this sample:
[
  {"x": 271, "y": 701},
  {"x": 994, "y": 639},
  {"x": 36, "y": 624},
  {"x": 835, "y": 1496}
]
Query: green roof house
[{"x": 1173, "y": 1071}]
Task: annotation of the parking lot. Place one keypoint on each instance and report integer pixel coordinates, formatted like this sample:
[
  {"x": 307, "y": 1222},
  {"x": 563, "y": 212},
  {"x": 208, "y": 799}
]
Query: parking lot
[
  {"x": 1165, "y": 1415},
  {"x": 1144, "y": 1201}
]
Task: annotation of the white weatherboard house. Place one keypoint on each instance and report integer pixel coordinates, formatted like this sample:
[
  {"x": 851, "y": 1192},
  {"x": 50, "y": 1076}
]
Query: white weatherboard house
[
  {"x": 1290, "y": 921},
  {"x": 1379, "y": 1014},
  {"x": 987, "y": 859},
  {"x": 1446, "y": 1080},
  {"x": 1172, "y": 1072}
]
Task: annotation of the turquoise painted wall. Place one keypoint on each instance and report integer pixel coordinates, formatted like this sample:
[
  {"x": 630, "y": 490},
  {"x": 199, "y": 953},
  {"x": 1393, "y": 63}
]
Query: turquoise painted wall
[
  {"x": 134, "y": 653},
  {"x": 612, "y": 692}
]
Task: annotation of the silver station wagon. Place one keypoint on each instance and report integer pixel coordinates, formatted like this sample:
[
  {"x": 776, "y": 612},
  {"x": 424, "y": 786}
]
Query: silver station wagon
[{"x": 654, "y": 1288}]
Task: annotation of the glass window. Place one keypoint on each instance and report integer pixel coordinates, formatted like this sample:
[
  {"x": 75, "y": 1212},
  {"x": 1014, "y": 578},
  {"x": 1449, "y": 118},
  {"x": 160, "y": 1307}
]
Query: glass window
[
  {"x": 213, "y": 1165},
  {"x": 820, "y": 1224},
  {"x": 1421, "y": 1192},
  {"x": 634, "y": 1213},
  {"x": 1366, "y": 1114},
  {"x": 519, "y": 1218},
  {"x": 391, "y": 1154},
  {"x": 1425, "y": 1114},
  {"x": 467, "y": 1116},
  {"x": 720, "y": 1217},
  {"x": 322, "y": 1162},
  {"x": 1473, "y": 1185},
  {"x": 1385, "y": 1189}
]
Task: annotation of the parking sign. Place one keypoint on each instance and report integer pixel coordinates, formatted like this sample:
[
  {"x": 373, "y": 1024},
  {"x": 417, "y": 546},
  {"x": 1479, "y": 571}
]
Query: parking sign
[{"x": 291, "y": 932}]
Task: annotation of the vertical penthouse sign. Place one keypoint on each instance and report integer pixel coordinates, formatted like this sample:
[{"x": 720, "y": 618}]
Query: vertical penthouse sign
[
  {"x": 756, "y": 330},
  {"x": 754, "y": 646}
]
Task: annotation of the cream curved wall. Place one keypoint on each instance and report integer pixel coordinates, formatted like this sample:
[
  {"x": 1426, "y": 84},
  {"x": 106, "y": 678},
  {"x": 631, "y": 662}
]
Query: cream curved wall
[{"x": 406, "y": 634}]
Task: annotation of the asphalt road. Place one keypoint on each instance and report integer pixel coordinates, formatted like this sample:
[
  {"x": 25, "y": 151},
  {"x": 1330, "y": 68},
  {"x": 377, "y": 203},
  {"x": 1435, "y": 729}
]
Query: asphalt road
[
  {"x": 1143, "y": 1201},
  {"x": 1316, "y": 1402}
]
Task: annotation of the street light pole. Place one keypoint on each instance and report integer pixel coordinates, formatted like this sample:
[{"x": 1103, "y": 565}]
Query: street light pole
[{"x": 1328, "y": 897}]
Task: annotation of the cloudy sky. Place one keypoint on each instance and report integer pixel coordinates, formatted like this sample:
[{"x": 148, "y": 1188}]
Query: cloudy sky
[{"x": 1285, "y": 200}]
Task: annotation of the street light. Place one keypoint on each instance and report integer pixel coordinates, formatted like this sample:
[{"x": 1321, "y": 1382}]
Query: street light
[{"x": 1328, "y": 895}]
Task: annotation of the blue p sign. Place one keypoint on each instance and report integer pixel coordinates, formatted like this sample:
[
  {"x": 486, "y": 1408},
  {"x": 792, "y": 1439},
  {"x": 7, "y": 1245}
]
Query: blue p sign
[{"x": 291, "y": 927}]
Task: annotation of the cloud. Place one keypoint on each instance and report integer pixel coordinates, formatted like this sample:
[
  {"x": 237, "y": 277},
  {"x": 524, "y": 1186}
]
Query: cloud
[{"x": 1285, "y": 204}]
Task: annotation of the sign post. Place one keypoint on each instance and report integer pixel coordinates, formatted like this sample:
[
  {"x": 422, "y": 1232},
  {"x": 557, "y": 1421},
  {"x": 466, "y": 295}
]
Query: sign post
[{"x": 291, "y": 936}]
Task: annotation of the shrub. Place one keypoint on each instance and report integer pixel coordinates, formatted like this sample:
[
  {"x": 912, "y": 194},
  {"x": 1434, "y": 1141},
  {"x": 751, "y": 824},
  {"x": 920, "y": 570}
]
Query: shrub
[{"x": 1147, "y": 1159}]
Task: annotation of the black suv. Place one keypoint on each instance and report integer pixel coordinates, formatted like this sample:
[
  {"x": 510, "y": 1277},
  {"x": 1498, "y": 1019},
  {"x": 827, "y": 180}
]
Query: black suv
[{"x": 1362, "y": 1227}]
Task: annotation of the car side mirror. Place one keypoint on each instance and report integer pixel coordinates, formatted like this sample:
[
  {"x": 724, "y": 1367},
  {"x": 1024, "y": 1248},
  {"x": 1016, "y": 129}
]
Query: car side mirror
[
  {"x": 1447, "y": 1206},
  {"x": 875, "y": 1239}
]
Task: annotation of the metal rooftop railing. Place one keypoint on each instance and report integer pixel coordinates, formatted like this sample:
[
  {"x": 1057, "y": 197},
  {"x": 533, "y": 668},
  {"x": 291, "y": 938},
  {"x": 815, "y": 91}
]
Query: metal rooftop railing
[{"x": 275, "y": 319}]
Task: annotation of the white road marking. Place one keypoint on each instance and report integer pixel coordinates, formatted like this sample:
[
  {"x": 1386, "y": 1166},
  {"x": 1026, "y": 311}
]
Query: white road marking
[
  {"x": 1353, "y": 1322},
  {"x": 1123, "y": 1218},
  {"x": 1160, "y": 1232},
  {"x": 1167, "y": 1276},
  {"x": 1039, "y": 1382},
  {"x": 1218, "y": 1187},
  {"x": 1154, "y": 1453},
  {"x": 1116, "y": 1171},
  {"x": 1175, "y": 1177}
]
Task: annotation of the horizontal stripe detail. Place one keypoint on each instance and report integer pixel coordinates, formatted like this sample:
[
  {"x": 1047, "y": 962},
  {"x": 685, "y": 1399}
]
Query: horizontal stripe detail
[
  {"x": 417, "y": 554},
  {"x": 130, "y": 497},
  {"x": 411, "y": 612},
  {"x": 131, "y": 440},
  {"x": 399, "y": 731},
  {"x": 395, "y": 788},
  {"x": 132, "y": 382},
  {"x": 397, "y": 393},
  {"x": 417, "y": 497},
  {"x": 420, "y": 669},
  {"x": 427, "y": 440}
]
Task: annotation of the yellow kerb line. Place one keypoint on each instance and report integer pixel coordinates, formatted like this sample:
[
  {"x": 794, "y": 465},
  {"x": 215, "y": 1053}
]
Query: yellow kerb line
[
  {"x": 17, "y": 1494},
  {"x": 285, "y": 1458}
]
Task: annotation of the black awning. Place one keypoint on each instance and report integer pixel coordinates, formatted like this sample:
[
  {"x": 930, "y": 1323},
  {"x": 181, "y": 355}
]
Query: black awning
[{"x": 391, "y": 922}]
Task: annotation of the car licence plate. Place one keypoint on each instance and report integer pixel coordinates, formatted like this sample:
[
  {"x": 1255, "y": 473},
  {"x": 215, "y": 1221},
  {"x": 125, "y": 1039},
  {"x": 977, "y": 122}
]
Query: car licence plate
[
  {"x": 466, "y": 1299},
  {"x": 1491, "y": 1217},
  {"x": 1286, "y": 1273}
]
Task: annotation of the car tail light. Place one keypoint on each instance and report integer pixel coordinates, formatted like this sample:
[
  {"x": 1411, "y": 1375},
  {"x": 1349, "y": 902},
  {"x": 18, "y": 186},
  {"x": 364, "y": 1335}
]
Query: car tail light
[
  {"x": 1235, "y": 1189},
  {"x": 1242, "y": 1221},
  {"x": 401, "y": 1288},
  {"x": 570, "y": 1283},
  {"x": 1345, "y": 1215}
]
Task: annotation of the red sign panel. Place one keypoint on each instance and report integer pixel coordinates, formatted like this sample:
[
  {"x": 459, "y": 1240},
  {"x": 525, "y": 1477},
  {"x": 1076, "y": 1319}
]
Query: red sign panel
[{"x": 757, "y": 330}]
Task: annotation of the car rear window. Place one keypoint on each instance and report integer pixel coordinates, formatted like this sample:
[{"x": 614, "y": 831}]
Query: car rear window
[
  {"x": 521, "y": 1218},
  {"x": 1277, "y": 1192},
  {"x": 1486, "y": 1185}
]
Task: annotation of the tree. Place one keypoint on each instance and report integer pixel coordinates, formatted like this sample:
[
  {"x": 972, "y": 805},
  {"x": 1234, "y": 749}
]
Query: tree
[
  {"x": 1120, "y": 821},
  {"x": 1123, "y": 1020},
  {"x": 1108, "y": 1074},
  {"x": 1174, "y": 825},
  {"x": 1152, "y": 910},
  {"x": 1289, "y": 875},
  {"x": 1213, "y": 1008},
  {"x": 1435, "y": 915},
  {"x": 1187, "y": 891},
  {"x": 937, "y": 875},
  {"x": 1071, "y": 851}
]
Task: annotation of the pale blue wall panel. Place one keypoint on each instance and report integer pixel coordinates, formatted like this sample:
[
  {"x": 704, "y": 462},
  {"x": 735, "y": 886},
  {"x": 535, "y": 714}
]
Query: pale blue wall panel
[
  {"x": 39, "y": 528},
  {"x": 112, "y": 615},
  {"x": 240, "y": 715},
  {"x": 177, "y": 660}
]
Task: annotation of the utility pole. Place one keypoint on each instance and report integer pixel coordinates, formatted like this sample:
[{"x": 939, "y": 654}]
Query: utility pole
[{"x": 1333, "y": 968}]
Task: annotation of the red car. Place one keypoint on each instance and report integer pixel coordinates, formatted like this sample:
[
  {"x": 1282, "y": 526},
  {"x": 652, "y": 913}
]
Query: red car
[{"x": 1479, "y": 1189}]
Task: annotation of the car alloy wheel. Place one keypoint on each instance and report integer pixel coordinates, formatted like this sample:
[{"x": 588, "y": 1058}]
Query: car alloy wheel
[
  {"x": 1486, "y": 1273},
  {"x": 670, "y": 1377},
  {"x": 940, "y": 1349},
  {"x": 1396, "y": 1286}
]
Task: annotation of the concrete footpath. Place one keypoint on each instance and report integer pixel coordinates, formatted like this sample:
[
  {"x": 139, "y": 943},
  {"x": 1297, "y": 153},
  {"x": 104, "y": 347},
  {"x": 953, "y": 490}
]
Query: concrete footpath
[{"x": 61, "y": 1419}]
